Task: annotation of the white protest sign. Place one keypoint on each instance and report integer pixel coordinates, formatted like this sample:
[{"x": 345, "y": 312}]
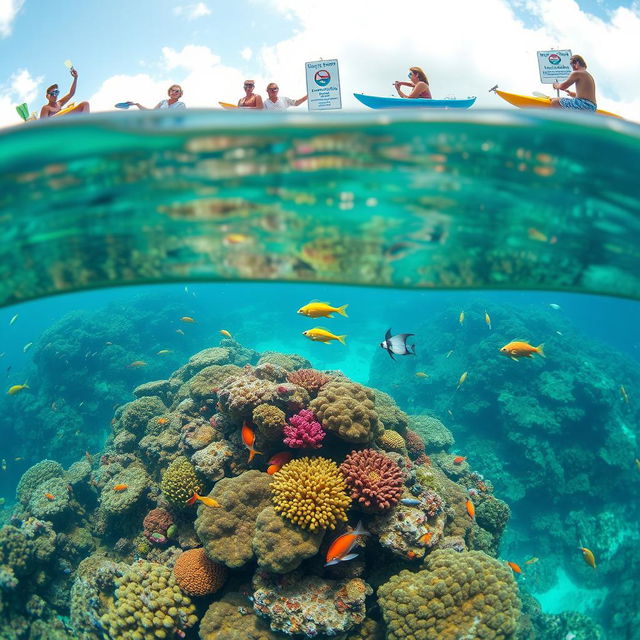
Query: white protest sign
[
  {"x": 323, "y": 85},
  {"x": 554, "y": 65}
]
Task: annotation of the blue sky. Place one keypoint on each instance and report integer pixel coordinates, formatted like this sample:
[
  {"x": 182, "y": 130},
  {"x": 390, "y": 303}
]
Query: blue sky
[{"x": 127, "y": 50}]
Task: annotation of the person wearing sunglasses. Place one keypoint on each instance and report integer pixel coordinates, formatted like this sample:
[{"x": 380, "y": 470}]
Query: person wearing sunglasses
[
  {"x": 54, "y": 105},
  {"x": 418, "y": 83},
  {"x": 274, "y": 102},
  {"x": 250, "y": 100},
  {"x": 584, "y": 97},
  {"x": 175, "y": 93}
]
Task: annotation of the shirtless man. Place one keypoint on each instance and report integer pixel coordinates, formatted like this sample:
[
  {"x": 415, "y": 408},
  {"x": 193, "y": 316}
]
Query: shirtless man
[
  {"x": 584, "y": 98},
  {"x": 54, "y": 105}
]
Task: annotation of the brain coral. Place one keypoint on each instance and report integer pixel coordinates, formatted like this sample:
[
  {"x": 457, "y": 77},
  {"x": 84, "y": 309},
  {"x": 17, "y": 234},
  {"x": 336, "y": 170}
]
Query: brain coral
[
  {"x": 270, "y": 420},
  {"x": 35, "y": 475},
  {"x": 311, "y": 493},
  {"x": 136, "y": 414},
  {"x": 42, "y": 506},
  {"x": 457, "y": 595},
  {"x": 147, "y": 603},
  {"x": 281, "y": 546},
  {"x": 227, "y": 533},
  {"x": 347, "y": 409},
  {"x": 180, "y": 481},
  {"x": 374, "y": 480},
  {"x": 391, "y": 441},
  {"x": 137, "y": 484},
  {"x": 196, "y": 574}
]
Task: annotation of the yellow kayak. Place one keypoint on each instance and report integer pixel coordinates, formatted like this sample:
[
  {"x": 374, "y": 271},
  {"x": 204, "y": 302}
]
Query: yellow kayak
[
  {"x": 228, "y": 105},
  {"x": 525, "y": 102},
  {"x": 68, "y": 109}
]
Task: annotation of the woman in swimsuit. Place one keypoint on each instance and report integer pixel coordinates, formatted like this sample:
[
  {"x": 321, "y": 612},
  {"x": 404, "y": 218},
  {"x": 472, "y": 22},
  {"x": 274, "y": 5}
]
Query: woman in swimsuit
[
  {"x": 418, "y": 83},
  {"x": 251, "y": 100}
]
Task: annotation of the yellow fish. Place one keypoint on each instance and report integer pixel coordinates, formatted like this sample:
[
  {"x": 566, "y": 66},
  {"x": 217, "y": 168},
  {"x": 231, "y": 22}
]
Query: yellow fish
[
  {"x": 487, "y": 319},
  {"x": 322, "y": 310},
  {"x": 224, "y": 332},
  {"x": 588, "y": 556},
  {"x": 461, "y": 318},
  {"x": 421, "y": 374},
  {"x": 317, "y": 334},
  {"x": 163, "y": 352},
  {"x": 623, "y": 393},
  {"x": 16, "y": 388},
  {"x": 463, "y": 377},
  {"x": 187, "y": 319}
]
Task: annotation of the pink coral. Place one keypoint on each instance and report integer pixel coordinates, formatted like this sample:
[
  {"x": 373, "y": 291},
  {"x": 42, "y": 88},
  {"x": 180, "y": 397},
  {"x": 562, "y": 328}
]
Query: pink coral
[
  {"x": 310, "y": 379},
  {"x": 157, "y": 521},
  {"x": 373, "y": 479},
  {"x": 303, "y": 432},
  {"x": 414, "y": 444}
]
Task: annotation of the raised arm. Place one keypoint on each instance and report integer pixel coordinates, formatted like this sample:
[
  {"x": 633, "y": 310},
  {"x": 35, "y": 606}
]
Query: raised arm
[{"x": 72, "y": 89}]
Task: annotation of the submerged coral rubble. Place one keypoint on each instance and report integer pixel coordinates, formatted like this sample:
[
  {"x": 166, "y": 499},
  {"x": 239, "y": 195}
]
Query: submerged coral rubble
[{"x": 174, "y": 532}]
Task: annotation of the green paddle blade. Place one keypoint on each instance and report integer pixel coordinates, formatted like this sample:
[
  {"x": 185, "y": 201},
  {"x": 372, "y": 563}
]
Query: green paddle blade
[{"x": 23, "y": 110}]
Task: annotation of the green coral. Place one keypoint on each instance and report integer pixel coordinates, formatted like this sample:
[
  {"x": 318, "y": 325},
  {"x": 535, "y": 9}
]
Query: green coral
[
  {"x": 347, "y": 409},
  {"x": 136, "y": 414},
  {"x": 435, "y": 435},
  {"x": 389, "y": 413},
  {"x": 493, "y": 514},
  {"x": 16, "y": 550},
  {"x": 35, "y": 475},
  {"x": 148, "y": 604},
  {"x": 117, "y": 502},
  {"x": 457, "y": 595},
  {"x": 180, "y": 481},
  {"x": 50, "y": 500},
  {"x": 288, "y": 361},
  {"x": 227, "y": 533},
  {"x": 78, "y": 473},
  {"x": 203, "y": 385},
  {"x": 269, "y": 420},
  {"x": 232, "y": 618},
  {"x": 281, "y": 546}
]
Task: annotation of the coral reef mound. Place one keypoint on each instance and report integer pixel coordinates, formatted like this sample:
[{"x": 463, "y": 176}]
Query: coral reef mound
[{"x": 196, "y": 574}]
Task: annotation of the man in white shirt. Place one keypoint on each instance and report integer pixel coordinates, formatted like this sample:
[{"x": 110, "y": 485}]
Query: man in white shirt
[{"x": 279, "y": 103}]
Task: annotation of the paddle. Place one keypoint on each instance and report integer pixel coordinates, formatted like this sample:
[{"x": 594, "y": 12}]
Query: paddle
[
  {"x": 23, "y": 111},
  {"x": 537, "y": 94},
  {"x": 68, "y": 64},
  {"x": 124, "y": 105}
]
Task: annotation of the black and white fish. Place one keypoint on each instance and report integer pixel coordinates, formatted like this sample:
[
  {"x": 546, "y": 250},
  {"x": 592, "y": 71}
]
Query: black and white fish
[{"x": 398, "y": 344}]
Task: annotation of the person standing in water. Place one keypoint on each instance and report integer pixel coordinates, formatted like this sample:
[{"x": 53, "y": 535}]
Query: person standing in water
[
  {"x": 418, "y": 83},
  {"x": 250, "y": 100},
  {"x": 54, "y": 105},
  {"x": 584, "y": 97},
  {"x": 174, "y": 93}
]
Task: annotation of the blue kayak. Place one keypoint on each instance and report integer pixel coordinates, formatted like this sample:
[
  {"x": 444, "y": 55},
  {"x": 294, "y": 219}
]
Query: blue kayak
[{"x": 380, "y": 102}]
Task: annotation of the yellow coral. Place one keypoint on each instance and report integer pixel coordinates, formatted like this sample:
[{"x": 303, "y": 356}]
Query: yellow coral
[
  {"x": 270, "y": 420},
  {"x": 391, "y": 441},
  {"x": 180, "y": 481},
  {"x": 311, "y": 492}
]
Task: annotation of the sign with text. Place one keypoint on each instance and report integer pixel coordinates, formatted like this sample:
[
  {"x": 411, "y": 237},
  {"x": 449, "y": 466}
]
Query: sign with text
[
  {"x": 323, "y": 85},
  {"x": 554, "y": 65}
]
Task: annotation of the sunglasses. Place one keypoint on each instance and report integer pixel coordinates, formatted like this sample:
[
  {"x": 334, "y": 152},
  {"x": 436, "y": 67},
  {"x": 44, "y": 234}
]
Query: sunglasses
[
  {"x": 55, "y": 92},
  {"x": 174, "y": 90},
  {"x": 273, "y": 89},
  {"x": 249, "y": 86},
  {"x": 409, "y": 74}
]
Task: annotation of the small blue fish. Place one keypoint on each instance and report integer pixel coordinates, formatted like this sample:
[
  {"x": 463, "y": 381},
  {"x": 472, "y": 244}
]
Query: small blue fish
[{"x": 410, "y": 502}]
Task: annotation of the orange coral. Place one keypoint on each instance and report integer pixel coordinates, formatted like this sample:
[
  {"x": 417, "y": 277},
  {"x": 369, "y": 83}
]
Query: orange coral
[{"x": 197, "y": 575}]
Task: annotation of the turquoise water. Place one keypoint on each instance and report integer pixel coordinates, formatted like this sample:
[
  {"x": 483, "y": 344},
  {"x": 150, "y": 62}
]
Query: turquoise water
[{"x": 469, "y": 231}]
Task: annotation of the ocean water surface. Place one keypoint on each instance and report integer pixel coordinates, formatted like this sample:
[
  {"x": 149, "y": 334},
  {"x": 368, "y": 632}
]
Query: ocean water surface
[{"x": 501, "y": 492}]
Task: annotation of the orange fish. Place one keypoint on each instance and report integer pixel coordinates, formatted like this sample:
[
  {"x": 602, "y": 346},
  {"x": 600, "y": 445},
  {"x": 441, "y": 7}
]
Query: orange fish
[
  {"x": 514, "y": 567},
  {"x": 137, "y": 363},
  {"x": 471, "y": 509},
  {"x": 277, "y": 461},
  {"x": 588, "y": 556},
  {"x": 459, "y": 459},
  {"x": 340, "y": 549},
  {"x": 163, "y": 420},
  {"x": 515, "y": 350},
  {"x": 120, "y": 487},
  {"x": 412, "y": 555},
  {"x": 49, "y": 496},
  {"x": 210, "y": 502},
  {"x": 249, "y": 438},
  {"x": 534, "y": 234},
  {"x": 425, "y": 539}
]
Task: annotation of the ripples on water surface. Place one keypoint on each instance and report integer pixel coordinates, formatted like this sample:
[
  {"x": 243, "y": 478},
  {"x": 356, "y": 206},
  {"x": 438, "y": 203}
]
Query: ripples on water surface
[{"x": 391, "y": 206}]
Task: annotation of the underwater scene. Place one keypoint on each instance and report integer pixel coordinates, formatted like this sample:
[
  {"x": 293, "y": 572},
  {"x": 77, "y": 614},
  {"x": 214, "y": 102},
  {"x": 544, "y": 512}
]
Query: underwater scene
[{"x": 371, "y": 379}]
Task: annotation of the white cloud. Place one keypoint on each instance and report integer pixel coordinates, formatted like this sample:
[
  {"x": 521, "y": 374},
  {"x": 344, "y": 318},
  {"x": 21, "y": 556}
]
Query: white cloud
[
  {"x": 375, "y": 46},
  {"x": 8, "y": 11},
  {"x": 21, "y": 87},
  {"x": 247, "y": 53},
  {"x": 192, "y": 11}
]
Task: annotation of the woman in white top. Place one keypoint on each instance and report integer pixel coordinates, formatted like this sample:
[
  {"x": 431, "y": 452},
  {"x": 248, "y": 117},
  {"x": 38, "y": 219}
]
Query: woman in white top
[{"x": 175, "y": 93}]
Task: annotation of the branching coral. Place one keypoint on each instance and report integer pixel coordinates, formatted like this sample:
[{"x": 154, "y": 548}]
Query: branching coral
[
  {"x": 310, "y": 379},
  {"x": 375, "y": 481},
  {"x": 311, "y": 493},
  {"x": 303, "y": 432}
]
